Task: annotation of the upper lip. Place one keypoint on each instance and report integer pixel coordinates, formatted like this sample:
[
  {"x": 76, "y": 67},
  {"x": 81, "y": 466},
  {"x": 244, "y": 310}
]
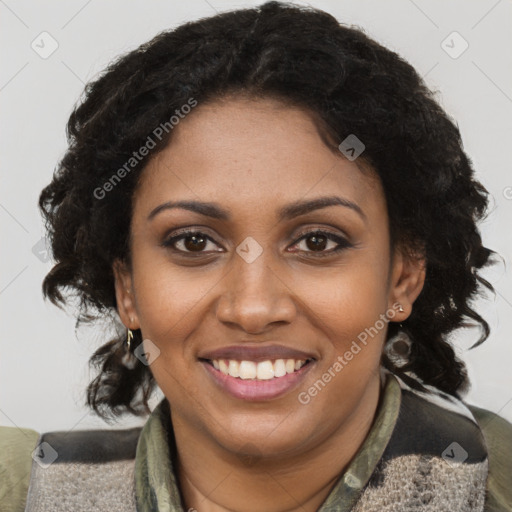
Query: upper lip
[{"x": 256, "y": 353}]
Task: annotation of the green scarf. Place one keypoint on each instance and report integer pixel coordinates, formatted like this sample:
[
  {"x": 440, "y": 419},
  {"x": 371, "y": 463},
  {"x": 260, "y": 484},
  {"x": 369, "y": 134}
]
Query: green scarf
[{"x": 401, "y": 466}]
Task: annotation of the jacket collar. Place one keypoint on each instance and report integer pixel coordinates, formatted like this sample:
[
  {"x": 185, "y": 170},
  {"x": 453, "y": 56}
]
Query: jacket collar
[{"x": 156, "y": 479}]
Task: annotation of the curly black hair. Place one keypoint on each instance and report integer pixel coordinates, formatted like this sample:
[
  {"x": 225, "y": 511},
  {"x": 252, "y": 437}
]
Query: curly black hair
[{"x": 306, "y": 58}]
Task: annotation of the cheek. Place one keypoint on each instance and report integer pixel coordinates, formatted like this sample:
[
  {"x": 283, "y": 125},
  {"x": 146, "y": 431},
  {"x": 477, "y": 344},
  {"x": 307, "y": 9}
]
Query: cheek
[
  {"x": 348, "y": 299},
  {"x": 170, "y": 301},
  {"x": 352, "y": 321},
  {"x": 169, "y": 309},
  {"x": 349, "y": 307}
]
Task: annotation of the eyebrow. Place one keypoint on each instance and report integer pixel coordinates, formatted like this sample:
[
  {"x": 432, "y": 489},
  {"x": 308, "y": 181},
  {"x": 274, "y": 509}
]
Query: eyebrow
[{"x": 287, "y": 212}]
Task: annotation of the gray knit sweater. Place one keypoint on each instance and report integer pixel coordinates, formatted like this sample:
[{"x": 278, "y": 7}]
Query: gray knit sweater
[{"x": 425, "y": 452}]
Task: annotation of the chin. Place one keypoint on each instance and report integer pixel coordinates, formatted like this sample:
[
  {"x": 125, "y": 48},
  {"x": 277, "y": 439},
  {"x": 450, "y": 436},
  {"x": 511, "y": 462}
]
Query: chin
[{"x": 263, "y": 435}]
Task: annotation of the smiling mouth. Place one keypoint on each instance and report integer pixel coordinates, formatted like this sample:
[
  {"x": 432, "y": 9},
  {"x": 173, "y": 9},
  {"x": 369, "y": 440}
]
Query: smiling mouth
[{"x": 263, "y": 370}]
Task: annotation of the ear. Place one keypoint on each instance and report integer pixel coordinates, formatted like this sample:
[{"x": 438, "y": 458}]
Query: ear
[
  {"x": 407, "y": 280},
  {"x": 125, "y": 295}
]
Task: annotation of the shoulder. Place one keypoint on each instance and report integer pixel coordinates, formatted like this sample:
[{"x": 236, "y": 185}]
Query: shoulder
[
  {"x": 37, "y": 467},
  {"x": 16, "y": 447},
  {"x": 93, "y": 446},
  {"x": 498, "y": 437},
  {"x": 434, "y": 423},
  {"x": 84, "y": 470}
]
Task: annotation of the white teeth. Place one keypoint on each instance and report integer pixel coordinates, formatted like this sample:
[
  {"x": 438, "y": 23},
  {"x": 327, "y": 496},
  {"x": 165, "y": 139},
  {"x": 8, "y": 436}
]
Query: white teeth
[
  {"x": 279, "y": 368},
  {"x": 247, "y": 370},
  {"x": 234, "y": 368},
  {"x": 223, "y": 367},
  {"x": 264, "y": 370}
]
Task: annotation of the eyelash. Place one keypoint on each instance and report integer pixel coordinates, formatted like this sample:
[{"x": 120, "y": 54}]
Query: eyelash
[{"x": 342, "y": 243}]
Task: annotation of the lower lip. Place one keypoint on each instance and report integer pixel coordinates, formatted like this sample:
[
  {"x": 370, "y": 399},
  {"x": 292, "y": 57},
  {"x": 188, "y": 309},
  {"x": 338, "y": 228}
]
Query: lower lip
[{"x": 255, "y": 390}]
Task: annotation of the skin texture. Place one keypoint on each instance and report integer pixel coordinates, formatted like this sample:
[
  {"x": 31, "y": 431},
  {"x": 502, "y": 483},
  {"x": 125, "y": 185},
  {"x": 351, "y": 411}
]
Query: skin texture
[{"x": 252, "y": 157}]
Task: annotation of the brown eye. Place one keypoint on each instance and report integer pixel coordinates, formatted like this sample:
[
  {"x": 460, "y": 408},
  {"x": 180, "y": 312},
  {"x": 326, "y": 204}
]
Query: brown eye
[
  {"x": 319, "y": 241},
  {"x": 316, "y": 242},
  {"x": 189, "y": 242},
  {"x": 194, "y": 242}
]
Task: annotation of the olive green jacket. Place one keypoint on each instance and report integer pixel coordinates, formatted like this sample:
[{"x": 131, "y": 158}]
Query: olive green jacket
[{"x": 421, "y": 454}]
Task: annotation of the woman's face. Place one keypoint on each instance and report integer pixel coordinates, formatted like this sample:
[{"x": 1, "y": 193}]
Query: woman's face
[{"x": 259, "y": 283}]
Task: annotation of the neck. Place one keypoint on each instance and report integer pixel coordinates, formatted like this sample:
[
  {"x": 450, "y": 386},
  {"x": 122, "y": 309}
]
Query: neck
[{"x": 214, "y": 480}]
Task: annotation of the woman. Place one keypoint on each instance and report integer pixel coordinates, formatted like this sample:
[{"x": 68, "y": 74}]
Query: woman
[{"x": 283, "y": 221}]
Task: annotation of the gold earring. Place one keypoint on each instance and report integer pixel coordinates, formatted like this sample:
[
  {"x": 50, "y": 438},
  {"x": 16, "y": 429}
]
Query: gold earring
[{"x": 129, "y": 338}]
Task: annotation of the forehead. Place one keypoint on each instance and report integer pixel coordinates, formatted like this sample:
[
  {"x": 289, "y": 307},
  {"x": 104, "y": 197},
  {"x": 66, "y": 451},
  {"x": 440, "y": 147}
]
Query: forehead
[{"x": 245, "y": 153}]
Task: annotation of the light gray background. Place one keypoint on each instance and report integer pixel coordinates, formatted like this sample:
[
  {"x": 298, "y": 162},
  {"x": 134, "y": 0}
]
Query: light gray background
[{"x": 43, "y": 366}]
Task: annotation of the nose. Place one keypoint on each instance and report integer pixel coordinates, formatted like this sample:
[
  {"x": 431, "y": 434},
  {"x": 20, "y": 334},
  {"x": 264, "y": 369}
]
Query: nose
[{"x": 255, "y": 297}]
